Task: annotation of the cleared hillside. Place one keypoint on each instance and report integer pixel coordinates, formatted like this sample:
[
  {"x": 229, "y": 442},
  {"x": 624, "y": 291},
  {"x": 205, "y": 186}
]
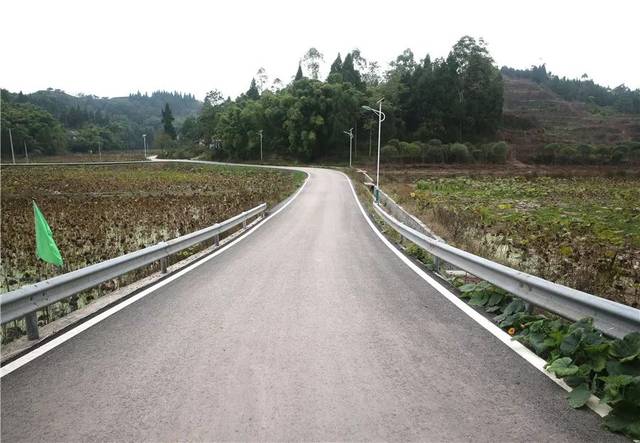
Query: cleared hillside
[{"x": 535, "y": 116}]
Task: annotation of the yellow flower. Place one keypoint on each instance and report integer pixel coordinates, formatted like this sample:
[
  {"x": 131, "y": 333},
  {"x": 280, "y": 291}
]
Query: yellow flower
[
  {"x": 511, "y": 331},
  {"x": 413, "y": 195}
]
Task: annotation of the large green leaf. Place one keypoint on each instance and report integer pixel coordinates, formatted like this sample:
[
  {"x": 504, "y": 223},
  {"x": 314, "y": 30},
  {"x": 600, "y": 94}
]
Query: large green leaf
[
  {"x": 618, "y": 368},
  {"x": 571, "y": 343},
  {"x": 626, "y": 349},
  {"x": 625, "y": 417},
  {"x": 563, "y": 367},
  {"x": 614, "y": 387},
  {"x": 579, "y": 396},
  {"x": 479, "y": 299}
]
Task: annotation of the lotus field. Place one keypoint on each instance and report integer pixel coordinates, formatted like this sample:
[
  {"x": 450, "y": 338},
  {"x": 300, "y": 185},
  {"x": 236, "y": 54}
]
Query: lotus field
[
  {"x": 100, "y": 212},
  {"x": 583, "y": 232}
]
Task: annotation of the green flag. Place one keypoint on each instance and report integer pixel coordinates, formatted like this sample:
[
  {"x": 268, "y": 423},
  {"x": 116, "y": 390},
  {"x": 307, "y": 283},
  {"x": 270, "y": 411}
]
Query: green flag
[{"x": 46, "y": 248}]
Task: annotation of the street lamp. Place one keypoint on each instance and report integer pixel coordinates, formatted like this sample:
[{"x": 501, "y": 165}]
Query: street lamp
[
  {"x": 144, "y": 143},
  {"x": 260, "y": 132},
  {"x": 381, "y": 118},
  {"x": 350, "y": 134}
]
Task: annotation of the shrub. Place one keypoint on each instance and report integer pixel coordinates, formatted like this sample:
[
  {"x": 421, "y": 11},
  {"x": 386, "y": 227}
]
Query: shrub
[
  {"x": 411, "y": 151},
  {"x": 584, "y": 152},
  {"x": 422, "y": 185},
  {"x": 434, "y": 142},
  {"x": 498, "y": 152},
  {"x": 459, "y": 153},
  {"x": 548, "y": 153},
  {"x": 567, "y": 155},
  {"x": 434, "y": 154},
  {"x": 389, "y": 151},
  {"x": 394, "y": 142}
]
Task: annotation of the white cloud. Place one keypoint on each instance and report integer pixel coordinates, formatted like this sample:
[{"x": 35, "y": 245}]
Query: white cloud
[{"x": 116, "y": 47}]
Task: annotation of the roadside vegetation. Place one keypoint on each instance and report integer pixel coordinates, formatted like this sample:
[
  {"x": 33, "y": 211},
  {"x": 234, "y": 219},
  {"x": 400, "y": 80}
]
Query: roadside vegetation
[
  {"x": 100, "y": 212},
  {"x": 583, "y": 232},
  {"x": 576, "y": 352},
  {"x": 586, "y": 360}
]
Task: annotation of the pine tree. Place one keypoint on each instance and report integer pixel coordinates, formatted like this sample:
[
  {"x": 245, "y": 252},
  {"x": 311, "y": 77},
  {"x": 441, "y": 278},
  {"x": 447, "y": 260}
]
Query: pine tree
[
  {"x": 167, "y": 121},
  {"x": 253, "y": 93},
  {"x": 336, "y": 66},
  {"x": 299, "y": 75},
  {"x": 349, "y": 73}
]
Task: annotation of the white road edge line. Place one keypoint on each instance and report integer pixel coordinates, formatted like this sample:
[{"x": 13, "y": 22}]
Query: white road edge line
[
  {"x": 21, "y": 361},
  {"x": 593, "y": 403}
]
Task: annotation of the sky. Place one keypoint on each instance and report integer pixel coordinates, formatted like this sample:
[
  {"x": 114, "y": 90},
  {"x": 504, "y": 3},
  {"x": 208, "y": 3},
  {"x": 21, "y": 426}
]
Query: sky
[{"x": 112, "y": 48}]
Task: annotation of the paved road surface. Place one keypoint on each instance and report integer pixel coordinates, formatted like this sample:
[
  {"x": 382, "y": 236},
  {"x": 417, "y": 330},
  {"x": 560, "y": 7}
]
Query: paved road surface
[{"x": 309, "y": 329}]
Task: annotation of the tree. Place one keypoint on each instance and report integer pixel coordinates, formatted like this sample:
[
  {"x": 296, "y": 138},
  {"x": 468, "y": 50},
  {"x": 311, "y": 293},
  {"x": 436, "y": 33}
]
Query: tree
[
  {"x": 263, "y": 79},
  {"x": 299, "y": 75},
  {"x": 167, "y": 122},
  {"x": 253, "y": 93},
  {"x": 349, "y": 73},
  {"x": 312, "y": 60},
  {"x": 336, "y": 66},
  {"x": 32, "y": 125}
]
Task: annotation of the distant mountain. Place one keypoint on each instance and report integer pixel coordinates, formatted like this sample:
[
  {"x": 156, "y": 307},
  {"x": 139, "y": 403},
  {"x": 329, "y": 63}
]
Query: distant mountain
[
  {"x": 88, "y": 120},
  {"x": 140, "y": 108}
]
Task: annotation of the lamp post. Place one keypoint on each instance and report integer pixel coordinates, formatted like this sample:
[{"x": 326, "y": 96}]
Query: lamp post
[
  {"x": 260, "y": 132},
  {"x": 381, "y": 118},
  {"x": 13, "y": 155},
  {"x": 144, "y": 144},
  {"x": 350, "y": 134}
]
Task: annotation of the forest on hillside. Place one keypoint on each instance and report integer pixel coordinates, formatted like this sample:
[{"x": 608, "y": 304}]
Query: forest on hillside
[
  {"x": 446, "y": 109},
  {"x": 621, "y": 98},
  {"x": 52, "y": 121},
  {"x": 450, "y": 99}
]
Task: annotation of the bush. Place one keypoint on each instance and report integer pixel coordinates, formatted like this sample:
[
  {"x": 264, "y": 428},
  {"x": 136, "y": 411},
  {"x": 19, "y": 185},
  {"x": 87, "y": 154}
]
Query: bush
[
  {"x": 459, "y": 153},
  {"x": 498, "y": 152},
  {"x": 422, "y": 185},
  {"x": 389, "y": 151},
  {"x": 567, "y": 155},
  {"x": 411, "y": 151},
  {"x": 584, "y": 152},
  {"x": 434, "y": 142},
  {"x": 394, "y": 142},
  {"x": 434, "y": 154},
  {"x": 548, "y": 153}
]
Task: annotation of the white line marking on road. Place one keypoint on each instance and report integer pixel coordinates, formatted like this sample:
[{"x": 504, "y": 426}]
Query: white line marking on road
[
  {"x": 21, "y": 361},
  {"x": 517, "y": 347}
]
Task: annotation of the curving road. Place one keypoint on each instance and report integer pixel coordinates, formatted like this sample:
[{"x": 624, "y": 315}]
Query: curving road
[{"x": 310, "y": 328}]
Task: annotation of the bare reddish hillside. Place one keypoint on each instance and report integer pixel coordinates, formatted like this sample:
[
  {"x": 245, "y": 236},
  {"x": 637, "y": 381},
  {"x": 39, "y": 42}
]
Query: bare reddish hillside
[{"x": 535, "y": 116}]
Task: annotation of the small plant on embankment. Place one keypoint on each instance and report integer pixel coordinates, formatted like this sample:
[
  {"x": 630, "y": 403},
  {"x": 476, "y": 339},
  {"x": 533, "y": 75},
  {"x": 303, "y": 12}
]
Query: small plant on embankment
[{"x": 576, "y": 352}]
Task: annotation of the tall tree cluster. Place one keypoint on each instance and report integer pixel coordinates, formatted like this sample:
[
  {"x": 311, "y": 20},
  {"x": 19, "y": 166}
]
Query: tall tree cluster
[{"x": 456, "y": 98}]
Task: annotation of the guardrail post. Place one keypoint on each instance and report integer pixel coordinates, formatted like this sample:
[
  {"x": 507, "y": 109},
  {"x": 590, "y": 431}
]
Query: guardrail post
[
  {"x": 31, "y": 320},
  {"x": 436, "y": 263},
  {"x": 244, "y": 223},
  {"x": 216, "y": 240},
  {"x": 163, "y": 264}
]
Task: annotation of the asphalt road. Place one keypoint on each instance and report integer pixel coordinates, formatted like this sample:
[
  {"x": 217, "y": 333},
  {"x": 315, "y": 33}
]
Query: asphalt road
[{"x": 308, "y": 329}]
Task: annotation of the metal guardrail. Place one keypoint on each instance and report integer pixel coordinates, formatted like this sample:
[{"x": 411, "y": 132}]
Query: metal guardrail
[
  {"x": 26, "y": 301},
  {"x": 613, "y": 319}
]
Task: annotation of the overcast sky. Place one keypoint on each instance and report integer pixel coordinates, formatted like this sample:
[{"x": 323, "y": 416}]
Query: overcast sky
[{"x": 111, "y": 48}]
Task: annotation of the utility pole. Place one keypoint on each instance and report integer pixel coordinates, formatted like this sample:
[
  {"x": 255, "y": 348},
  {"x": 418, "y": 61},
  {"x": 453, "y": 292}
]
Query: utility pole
[
  {"x": 100, "y": 150},
  {"x": 350, "y": 134},
  {"x": 260, "y": 132},
  {"x": 144, "y": 143},
  {"x": 26, "y": 154},
  {"x": 355, "y": 142},
  {"x": 381, "y": 118},
  {"x": 13, "y": 156}
]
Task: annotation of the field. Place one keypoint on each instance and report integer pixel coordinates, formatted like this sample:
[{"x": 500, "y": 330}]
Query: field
[
  {"x": 582, "y": 231},
  {"x": 100, "y": 212}
]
